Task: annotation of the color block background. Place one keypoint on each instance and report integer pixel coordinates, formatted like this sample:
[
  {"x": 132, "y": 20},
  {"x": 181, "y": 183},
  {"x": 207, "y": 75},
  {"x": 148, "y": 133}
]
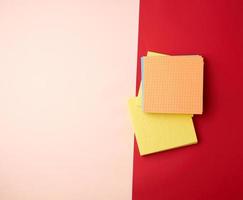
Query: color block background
[
  {"x": 67, "y": 69},
  {"x": 212, "y": 169}
]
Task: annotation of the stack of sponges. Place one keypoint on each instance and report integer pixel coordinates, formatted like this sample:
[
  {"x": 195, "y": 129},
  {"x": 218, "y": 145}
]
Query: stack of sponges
[{"x": 171, "y": 91}]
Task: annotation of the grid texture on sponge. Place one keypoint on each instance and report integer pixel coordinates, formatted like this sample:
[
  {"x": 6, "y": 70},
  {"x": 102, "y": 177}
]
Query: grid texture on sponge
[
  {"x": 173, "y": 84},
  {"x": 159, "y": 132}
]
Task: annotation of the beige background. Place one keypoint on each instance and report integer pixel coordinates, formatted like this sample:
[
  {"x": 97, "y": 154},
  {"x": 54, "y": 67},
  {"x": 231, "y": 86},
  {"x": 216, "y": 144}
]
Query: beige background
[{"x": 67, "y": 69}]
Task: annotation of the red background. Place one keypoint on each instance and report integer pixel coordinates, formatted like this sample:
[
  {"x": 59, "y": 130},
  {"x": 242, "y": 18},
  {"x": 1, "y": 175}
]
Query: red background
[{"x": 212, "y": 169}]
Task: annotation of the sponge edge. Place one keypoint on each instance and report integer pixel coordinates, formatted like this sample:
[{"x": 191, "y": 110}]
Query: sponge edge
[
  {"x": 152, "y": 53},
  {"x": 160, "y": 132}
]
